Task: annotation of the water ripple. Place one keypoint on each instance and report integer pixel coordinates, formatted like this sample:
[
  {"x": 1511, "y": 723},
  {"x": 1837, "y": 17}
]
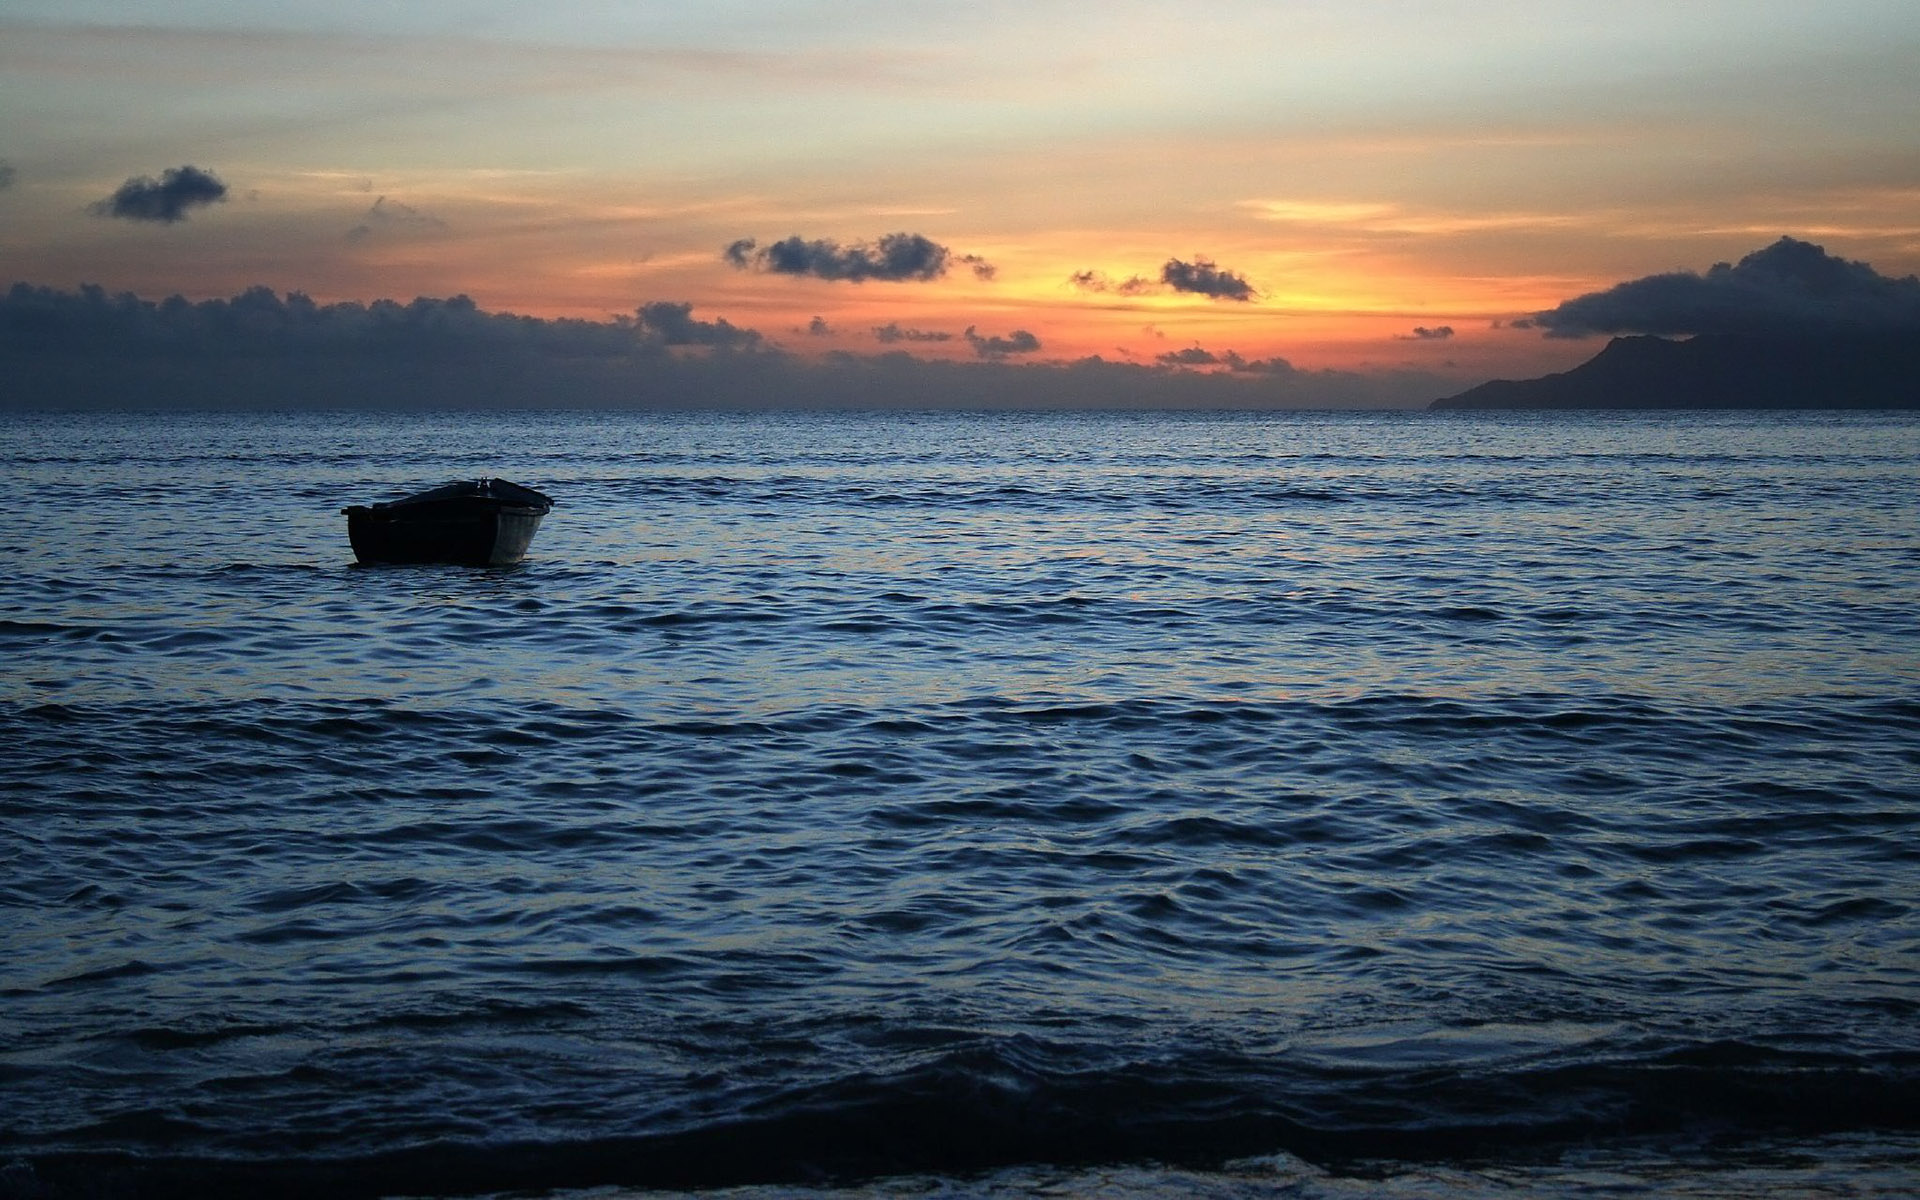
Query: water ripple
[{"x": 834, "y": 796}]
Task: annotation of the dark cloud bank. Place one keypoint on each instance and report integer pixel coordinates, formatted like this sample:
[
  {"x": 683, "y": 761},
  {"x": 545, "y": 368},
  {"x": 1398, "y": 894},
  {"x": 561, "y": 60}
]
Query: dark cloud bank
[
  {"x": 1791, "y": 288},
  {"x": 996, "y": 346},
  {"x": 894, "y": 258},
  {"x": 1199, "y": 356},
  {"x": 178, "y": 191},
  {"x": 1788, "y": 326},
  {"x": 94, "y": 350},
  {"x": 1201, "y": 277},
  {"x": 892, "y": 332}
]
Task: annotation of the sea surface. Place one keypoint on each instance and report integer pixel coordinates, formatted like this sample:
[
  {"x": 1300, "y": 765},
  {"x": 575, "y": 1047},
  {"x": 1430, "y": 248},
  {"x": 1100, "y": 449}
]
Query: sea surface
[{"x": 965, "y": 805}]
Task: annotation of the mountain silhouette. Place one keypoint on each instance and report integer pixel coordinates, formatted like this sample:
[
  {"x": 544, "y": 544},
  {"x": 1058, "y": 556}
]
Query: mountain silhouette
[{"x": 1879, "y": 369}]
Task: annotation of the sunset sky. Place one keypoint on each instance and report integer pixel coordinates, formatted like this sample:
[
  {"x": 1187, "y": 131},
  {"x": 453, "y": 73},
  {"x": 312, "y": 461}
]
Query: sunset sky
[{"x": 1339, "y": 184}]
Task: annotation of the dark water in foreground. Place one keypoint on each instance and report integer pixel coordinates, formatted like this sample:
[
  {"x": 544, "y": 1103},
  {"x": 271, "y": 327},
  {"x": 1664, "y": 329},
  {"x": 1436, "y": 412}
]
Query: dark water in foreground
[{"x": 1432, "y": 805}]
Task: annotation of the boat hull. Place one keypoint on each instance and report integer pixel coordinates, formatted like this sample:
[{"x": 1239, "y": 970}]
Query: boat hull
[
  {"x": 488, "y": 523},
  {"x": 495, "y": 539}
]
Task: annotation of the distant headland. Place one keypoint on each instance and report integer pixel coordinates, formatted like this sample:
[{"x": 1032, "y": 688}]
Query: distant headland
[
  {"x": 1869, "y": 370},
  {"x": 1788, "y": 326}
]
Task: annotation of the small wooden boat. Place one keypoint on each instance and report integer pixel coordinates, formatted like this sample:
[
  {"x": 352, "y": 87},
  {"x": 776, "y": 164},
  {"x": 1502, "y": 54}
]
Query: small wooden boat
[{"x": 479, "y": 523}]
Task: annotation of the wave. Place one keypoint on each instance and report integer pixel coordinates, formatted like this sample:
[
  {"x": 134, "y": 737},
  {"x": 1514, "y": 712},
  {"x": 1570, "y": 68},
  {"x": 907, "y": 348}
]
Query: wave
[{"x": 1026, "y": 1101}]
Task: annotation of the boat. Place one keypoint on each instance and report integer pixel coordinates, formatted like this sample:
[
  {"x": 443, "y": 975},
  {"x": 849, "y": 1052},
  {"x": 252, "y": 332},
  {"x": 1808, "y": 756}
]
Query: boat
[{"x": 476, "y": 522}]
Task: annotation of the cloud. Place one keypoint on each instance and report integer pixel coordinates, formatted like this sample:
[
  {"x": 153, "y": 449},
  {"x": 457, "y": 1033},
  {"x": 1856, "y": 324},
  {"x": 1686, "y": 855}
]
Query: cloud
[
  {"x": 1192, "y": 356},
  {"x": 1017, "y": 342},
  {"x": 91, "y": 350},
  {"x": 1199, "y": 356},
  {"x": 1790, "y": 287},
  {"x": 1200, "y": 277},
  {"x": 894, "y": 258},
  {"x": 7, "y": 174},
  {"x": 892, "y": 332},
  {"x": 166, "y": 199},
  {"x": 1095, "y": 281},
  {"x": 393, "y": 216},
  {"x": 1369, "y": 217},
  {"x": 1421, "y": 333},
  {"x": 1277, "y": 366},
  {"x": 818, "y": 327},
  {"x": 673, "y": 325},
  {"x": 259, "y": 323},
  {"x": 1203, "y": 278}
]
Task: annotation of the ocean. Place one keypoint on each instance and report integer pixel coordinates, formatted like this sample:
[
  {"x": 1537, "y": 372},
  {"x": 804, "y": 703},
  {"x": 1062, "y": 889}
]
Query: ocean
[{"x": 967, "y": 805}]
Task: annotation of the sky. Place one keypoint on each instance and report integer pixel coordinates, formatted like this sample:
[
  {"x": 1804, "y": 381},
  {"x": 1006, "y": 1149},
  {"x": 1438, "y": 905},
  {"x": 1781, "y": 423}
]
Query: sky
[{"x": 1388, "y": 189}]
